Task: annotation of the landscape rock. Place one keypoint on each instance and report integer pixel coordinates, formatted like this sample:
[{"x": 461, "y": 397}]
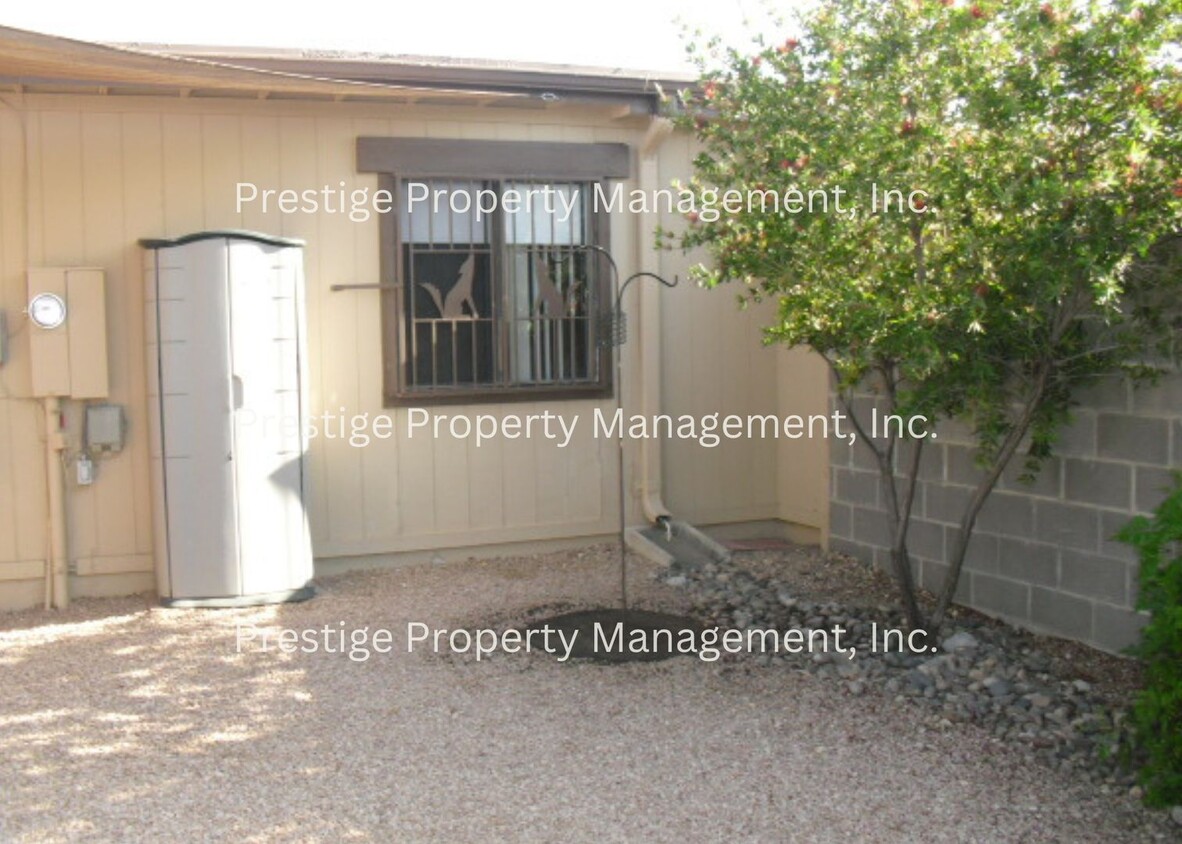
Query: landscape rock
[
  {"x": 989, "y": 676},
  {"x": 959, "y": 640}
]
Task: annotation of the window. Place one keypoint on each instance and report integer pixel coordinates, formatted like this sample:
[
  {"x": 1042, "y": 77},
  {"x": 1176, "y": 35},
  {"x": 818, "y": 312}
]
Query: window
[{"x": 495, "y": 290}]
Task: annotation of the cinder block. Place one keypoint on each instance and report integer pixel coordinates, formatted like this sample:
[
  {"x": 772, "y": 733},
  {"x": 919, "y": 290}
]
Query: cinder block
[
  {"x": 861, "y": 455},
  {"x": 854, "y": 487},
  {"x": 862, "y": 408},
  {"x": 932, "y": 575},
  {"x": 1098, "y": 482},
  {"x": 872, "y": 385},
  {"x": 1030, "y": 562},
  {"x": 1116, "y": 629},
  {"x": 1003, "y": 597},
  {"x": 955, "y": 431},
  {"x": 882, "y": 561},
  {"x": 1094, "y": 576},
  {"x": 1107, "y": 392},
  {"x": 1046, "y": 482},
  {"x": 840, "y": 521},
  {"x": 1110, "y": 523},
  {"x": 945, "y": 503},
  {"x": 1063, "y": 614},
  {"x": 919, "y": 504},
  {"x": 857, "y": 550},
  {"x": 982, "y": 551},
  {"x": 1165, "y": 397},
  {"x": 1153, "y": 485},
  {"x": 871, "y": 527},
  {"x": 962, "y": 466},
  {"x": 840, "y": 452},
  {"x": 931, "y": 462},
  {"x": 1136, "y": 438},
  {"x": 926, "y": 539},
  {"x": 1078, "y": 439},
  {"x": 1008, "y": 514},
  {"x": 1070, "y": 525},
  {"x": 901, "y": 492}
]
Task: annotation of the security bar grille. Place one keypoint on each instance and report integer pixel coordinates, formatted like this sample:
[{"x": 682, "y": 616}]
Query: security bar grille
[{"x": 498, "y": 287}]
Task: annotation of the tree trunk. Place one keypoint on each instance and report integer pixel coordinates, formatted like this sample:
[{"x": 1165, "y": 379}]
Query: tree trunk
[
  {"x": 898, "y": 513},
  {"x": 968, "y": 521}
]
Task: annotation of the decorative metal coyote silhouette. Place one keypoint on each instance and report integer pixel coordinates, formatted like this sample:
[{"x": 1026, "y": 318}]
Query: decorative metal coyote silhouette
[
  {"x": 459, "y": 295},
  {"x": 550, "y": 298}
]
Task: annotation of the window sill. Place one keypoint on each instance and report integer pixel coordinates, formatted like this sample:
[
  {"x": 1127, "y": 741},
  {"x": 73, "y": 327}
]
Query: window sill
[{"x": 499, "y": 395}]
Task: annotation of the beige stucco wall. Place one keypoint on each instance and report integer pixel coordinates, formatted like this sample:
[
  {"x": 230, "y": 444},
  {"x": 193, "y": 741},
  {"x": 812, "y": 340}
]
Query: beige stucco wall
[{"x": 83, "y": 178}]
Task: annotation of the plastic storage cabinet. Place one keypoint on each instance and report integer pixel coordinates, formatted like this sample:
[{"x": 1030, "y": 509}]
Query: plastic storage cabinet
[{"x": 227, "y": 388}]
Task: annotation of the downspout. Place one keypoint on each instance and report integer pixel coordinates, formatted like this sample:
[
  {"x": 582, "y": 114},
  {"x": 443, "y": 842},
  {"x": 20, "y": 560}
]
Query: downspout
[
  {"x": 57, "y": 588},
  {"x": 651, "y": 502}
]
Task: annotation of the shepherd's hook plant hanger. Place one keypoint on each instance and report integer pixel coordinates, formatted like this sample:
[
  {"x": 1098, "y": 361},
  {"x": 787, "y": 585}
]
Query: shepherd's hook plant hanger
[{"x": 615, "y": 335}]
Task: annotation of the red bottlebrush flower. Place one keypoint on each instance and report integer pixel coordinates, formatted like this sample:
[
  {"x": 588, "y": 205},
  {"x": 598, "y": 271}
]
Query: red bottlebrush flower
[
  {"x": 692, "y": 216},
  {"x": 710, "y": 91},
  {"x": 1178, "y": 187},
  {"x": 757, "y": 61},
  {"x": 981, "y": 289},
  {"x": 1047, "y": 12},
  {"x": 788, "y": 46},
  {"x": 785, "y": 164},
  {"x": 907, "y": 127},
  {"x": 977, "y": 12}
]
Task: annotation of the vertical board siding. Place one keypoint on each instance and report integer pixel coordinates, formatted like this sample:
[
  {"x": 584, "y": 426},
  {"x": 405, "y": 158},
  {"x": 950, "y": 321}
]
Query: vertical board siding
[
  {"x": 714, "y": 361},
  {"x": 13, "y": 376},
  {"x": 142, "y": 156},
  {"x": 83, "y": 179},
  {"x": 103, "y": 231}
]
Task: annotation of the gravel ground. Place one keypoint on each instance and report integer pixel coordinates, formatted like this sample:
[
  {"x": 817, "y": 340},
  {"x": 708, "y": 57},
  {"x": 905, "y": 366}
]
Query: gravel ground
[
  {"x": 836, "y": 577},
  {"x": 120, "y": 721}
]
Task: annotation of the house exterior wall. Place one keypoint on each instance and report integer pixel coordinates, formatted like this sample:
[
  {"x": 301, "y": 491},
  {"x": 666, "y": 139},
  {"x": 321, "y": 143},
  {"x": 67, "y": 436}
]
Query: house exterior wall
[
  {"x": 1042, "y": 555},
  {"x": 83, "y": 178},
  {"x": 714, "y": 361}
]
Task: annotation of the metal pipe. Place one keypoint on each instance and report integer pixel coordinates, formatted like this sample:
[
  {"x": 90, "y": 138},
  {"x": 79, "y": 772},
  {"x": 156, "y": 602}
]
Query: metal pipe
[
  {"x": 615, "y": 336},
  {"x": 617, "y": 319},
  {"x": 55, "y": 562},
  {"x": 651, "y": 500}
]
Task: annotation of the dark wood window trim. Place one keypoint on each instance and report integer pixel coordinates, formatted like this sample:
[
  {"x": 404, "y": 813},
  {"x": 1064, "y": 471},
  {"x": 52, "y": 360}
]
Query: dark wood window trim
[
  {"x": 542, "y": 160},
  {"x": 468, "y": 159}
]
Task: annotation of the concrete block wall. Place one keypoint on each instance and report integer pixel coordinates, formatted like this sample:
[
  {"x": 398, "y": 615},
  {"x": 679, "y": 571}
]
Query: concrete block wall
[{"x": 1042, "y": 555}]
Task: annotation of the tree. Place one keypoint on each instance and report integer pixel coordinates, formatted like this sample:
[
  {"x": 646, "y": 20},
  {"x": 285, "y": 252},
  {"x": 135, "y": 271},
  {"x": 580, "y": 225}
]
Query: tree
[{"x": 1033, "y": 150}]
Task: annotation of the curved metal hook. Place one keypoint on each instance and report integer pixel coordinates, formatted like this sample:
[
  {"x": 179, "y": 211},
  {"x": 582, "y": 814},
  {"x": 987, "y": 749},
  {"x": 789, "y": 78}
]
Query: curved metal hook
[
  {"x": 643, "y": 274},
  {"x": 620, "y": 288}
]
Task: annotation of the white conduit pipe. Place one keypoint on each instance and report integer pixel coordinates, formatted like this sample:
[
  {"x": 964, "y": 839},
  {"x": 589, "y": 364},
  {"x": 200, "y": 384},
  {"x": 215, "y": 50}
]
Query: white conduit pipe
[{"x": 651, "y": 502}]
